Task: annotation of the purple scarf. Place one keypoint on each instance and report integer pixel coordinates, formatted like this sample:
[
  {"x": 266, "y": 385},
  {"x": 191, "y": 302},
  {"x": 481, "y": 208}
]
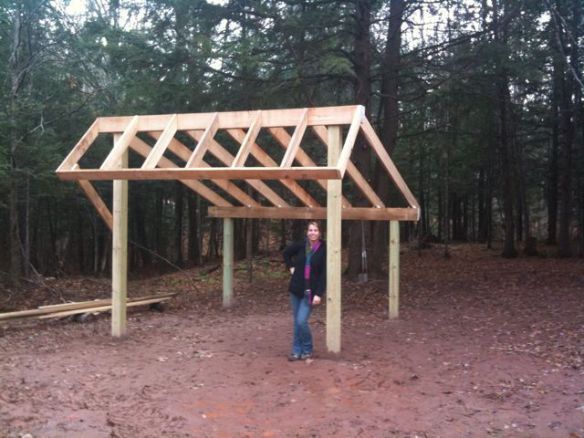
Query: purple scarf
[{"x": 309, "y": 252}]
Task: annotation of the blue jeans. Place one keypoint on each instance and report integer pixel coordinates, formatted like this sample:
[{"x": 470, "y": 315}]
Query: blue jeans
[{"x": 301, "y": 310}]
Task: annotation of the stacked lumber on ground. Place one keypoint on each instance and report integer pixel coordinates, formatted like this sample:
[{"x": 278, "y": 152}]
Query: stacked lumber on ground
[{"x": 67, "y": 309}]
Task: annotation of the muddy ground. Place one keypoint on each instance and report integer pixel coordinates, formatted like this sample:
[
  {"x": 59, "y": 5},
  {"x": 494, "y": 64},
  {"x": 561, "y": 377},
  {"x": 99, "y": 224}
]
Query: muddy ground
[{"x": 483, "y": 347}]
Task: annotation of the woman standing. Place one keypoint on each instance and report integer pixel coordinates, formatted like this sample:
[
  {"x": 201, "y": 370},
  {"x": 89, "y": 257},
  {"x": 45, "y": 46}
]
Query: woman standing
[{"x": 306, "y": 261}]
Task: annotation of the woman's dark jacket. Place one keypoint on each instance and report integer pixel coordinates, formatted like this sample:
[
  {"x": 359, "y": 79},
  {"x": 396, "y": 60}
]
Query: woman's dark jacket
[{"x": 295, "y": 256}]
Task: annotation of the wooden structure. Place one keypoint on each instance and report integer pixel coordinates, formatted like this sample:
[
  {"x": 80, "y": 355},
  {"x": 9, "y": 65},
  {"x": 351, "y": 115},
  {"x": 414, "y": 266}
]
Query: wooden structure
[{"x": 194, "y": 149}]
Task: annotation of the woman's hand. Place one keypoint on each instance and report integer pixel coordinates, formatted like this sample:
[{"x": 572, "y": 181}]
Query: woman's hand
[
  {"x": 316, "y": 300},
  {"x": 291, "y": 271}
]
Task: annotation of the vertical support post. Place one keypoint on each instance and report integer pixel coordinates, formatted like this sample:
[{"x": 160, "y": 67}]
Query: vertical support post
[
  {"x": 393, "y": 269},
  {"x": 227, "y": 262},
  {"x": 333, "y": 246},
  {"x": 120, "y": 250}
]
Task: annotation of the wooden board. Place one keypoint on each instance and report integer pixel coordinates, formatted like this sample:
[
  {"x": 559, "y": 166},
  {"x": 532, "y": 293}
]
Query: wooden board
[{"x": 353, "y": 213}]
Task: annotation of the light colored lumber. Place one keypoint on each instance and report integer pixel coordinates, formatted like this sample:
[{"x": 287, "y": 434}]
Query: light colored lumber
[
  {"x": 99, "y": 302},
  {"x": 143, "y": 148},
  {"x": 248, "y": 141},
  {"x": 226, "y": 185},
  {"x": 226, "y": 158},
  {"x": 275, "y": 173},
  {"x": 266, "y": 160},
  {"x": 354, "y": 173},
  {"x": 227, "y": 262},
  {"x": 97, "y": 202},
  {"x": 81, "y": 147},
  {"x": 393, "y": 269},
  {"x": 120, "y": 251},
  {"x": 283, "y": 139},
  {"x": 161, "y": 144},
  {"x": 387, "y": 162},
  {"x": 351, "y": 138},
  {"x": 203, "y": 144},
  {"x": 120, "y": 145},
  {"x": 100, "y": 308},
  {"x": 333, "y": 248},
  {"x": 294, "y": 144},
  {"x": 339, "y": 115},
  {"x": 353, "y": 213},
  {"x": 72, "y": 306}
]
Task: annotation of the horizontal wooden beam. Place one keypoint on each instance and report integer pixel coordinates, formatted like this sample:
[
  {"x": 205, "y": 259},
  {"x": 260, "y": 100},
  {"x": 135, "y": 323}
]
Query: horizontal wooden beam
[
  {"x": 354, "y": 213},
  {"x": 334, "y": 115},
  {"x": 202, "y": 173}
]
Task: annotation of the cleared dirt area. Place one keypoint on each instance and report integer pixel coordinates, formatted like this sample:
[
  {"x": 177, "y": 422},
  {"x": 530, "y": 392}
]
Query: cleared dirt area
[{"x": 483, "y": 347}]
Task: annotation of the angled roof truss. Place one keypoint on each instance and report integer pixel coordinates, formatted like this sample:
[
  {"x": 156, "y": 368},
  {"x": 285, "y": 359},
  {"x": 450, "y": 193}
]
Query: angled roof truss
[{"x": 187, "y": 148}]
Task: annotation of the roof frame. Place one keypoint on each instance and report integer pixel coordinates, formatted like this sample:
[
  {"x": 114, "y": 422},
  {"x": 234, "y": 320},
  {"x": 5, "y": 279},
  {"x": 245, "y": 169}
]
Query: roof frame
[{"x": 244, "y": 127}]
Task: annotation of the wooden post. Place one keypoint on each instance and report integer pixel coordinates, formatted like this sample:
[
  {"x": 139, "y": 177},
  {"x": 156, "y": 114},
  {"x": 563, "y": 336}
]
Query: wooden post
[
  {"x": 333, "y": 246},
  {"x": 227, "y": 262},
  {"x": 120, "y": 250},
  {"x": 393, "y": 269}
]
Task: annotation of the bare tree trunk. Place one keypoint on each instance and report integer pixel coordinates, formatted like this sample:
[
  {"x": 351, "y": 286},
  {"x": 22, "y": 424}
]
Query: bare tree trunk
[
  {"x": 390, "y": 104},
  {"x": 362, "y": 91},
  {"x": 505, "y": 142},
  {"x": 16, "y": 77}
]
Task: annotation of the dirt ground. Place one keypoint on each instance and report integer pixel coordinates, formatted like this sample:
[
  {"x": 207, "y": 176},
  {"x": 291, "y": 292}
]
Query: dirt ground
[{"x": 483, "y": 347}]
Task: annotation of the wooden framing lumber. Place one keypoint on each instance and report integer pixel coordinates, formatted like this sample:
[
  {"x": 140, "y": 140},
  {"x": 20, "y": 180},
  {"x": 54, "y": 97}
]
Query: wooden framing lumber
[
  {"x": 265, "y": 160},
  {"x": 350, "y": 140},
  {"x": 339, "y": 115},
  {"x": 275, "y": 173},
  {"x": 228, "y": 248},
  {"x": 353, "y": 213},
  {"x": 97, "y": 202},
  {"x": 333, "y": 248},
  {"x": 83, "y": 306},
  {"x": 143, "y": 148},
  {"x": 248, "y": 141},
  {"x": 100, "y": 309},
  {"x": 294, "y": 144},
  {"x": 204, "y": 142},
  {"x": 161, "y": 144},
  {"x": 81, "y": 147},
  {"x": 393, "y": 310},
  {"x": 121, "y": 145},
  {"x": 283, "y": 139},
  {"x": 226, "y": 185},
  {"x": 226, "y": 158},
  {"x": 120, "y": 250},
  {"x": 383, "y": 156},
  {"x": 354, "y": 173}
]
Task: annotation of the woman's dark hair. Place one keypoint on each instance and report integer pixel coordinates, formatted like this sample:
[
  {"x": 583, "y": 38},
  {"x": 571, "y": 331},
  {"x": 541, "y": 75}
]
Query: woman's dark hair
[{"x": 315, "y": 223}]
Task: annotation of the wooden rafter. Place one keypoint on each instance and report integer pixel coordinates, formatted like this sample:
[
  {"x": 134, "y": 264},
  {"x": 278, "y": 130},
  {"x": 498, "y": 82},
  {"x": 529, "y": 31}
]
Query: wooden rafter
[
  {"x": 353, "y": 172},
  {"x": 142, "y": 148},
  {"x": 387, "y": 162},
  {"x": 294, "y": 144},
  {"x": 226, "y": 158},
  {"x": 120, "y": 146},
  {"x": 350, "y": 140},
  {"x": 80, "y": 148},
  {"x": 265, "y": 160},
  {"x": 161, "y": 144},
  {"x": 226, "y": 185},
  {"x": 204, "y": 142},
  {"x": 248, "y": 141},
  {"x": 283, "y": 138}
]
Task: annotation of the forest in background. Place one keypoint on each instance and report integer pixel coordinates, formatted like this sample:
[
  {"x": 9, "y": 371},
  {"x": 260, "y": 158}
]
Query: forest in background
[{"x": 479, "y": 102}]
